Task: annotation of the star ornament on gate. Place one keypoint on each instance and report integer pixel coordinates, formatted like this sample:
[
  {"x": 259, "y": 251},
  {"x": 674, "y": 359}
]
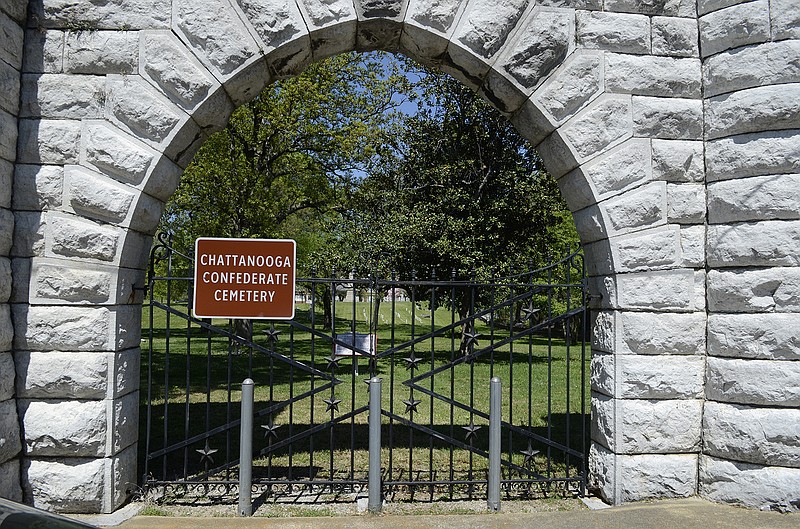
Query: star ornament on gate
[
  {"x": 529, "y": 454},
  {"x": 205, "y": 454},
  {"x": 472, "y": 431},
  {"x": 270, "y": 430},
  {"x": 411, "y": 404},
  {"x": 332, "y": 404},
  {"x": 333, "y": 361},
  {"x": 470, "y": 338},
  {"x": 272, "y": 333},
  {"x": 411, "y": 362}
]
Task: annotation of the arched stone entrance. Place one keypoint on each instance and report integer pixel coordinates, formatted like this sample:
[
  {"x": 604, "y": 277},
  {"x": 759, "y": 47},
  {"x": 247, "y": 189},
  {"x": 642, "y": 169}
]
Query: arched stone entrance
[{"x": 652, "y": 115}]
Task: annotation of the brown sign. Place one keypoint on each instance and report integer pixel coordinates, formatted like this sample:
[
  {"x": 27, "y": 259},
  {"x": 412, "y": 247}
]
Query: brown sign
[{"x": 244, "y": 278}]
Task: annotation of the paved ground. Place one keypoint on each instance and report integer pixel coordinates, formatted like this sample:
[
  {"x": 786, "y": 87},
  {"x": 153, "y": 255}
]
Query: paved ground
[{"x": 667, "y": 514}]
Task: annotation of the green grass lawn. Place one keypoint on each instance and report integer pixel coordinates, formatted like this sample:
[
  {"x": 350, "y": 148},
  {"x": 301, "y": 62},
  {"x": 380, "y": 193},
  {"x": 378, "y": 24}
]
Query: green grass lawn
[{"x": 195, "y": 387}]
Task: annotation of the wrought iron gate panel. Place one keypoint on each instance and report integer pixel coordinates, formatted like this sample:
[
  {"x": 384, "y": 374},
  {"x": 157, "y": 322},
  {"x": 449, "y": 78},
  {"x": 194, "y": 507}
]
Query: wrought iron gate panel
[{"x": 436, "y": 343}]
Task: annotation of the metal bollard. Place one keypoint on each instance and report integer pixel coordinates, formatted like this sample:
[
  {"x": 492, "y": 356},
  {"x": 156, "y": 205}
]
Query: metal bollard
[
  {"x": 246, "y": 450},
  {"x": 495, "y": 418},
  {"x": 374, "y": 482}
]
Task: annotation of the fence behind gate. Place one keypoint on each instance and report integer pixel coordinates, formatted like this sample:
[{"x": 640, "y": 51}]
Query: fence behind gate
[{"x": 435, "y": 342}]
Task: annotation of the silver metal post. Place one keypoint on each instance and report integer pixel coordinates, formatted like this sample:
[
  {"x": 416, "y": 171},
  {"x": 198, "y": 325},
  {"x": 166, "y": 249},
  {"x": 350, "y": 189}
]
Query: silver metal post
[
  {"x": 374, "y": 501},
  {"x": 246, "y": 450},
  {"x": 495, "y": 417}
]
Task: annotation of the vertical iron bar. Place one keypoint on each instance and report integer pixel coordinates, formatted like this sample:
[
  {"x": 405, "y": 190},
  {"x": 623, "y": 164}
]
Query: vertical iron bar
[
  {"x": 246, "y": 450},
  {"x": 391, "y": 375},
  {"x": 432, "y": 307},
  {"x": 312, "y": 313},
  {"x": 495, "y": 448},
  {"x": 374, "y": 482}
]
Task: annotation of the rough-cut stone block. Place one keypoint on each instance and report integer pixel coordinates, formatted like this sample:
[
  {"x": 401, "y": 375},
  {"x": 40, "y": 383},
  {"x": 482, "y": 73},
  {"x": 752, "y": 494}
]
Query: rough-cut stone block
[
  {"x": 486, "y": 25},
  {"x": 675, "y": 37},
  {"x": 753, "y": 155},
  {"x": 572, "y": 87},
  {"x": 133, "y": 103},
  {"x": 757, "y": 336},
  {"x": 146, "y": 214},
  {"x": 693, "y": 246},
  {"x": 64, "y": 328},
  {"x": 659, "y": 290},
  {"x": 785, "y": 19},
  {"x": 531, "y": 123},
  {"x": 38, "y": 187},
  {"x": 48, "y": 141},
  {"x": 72, "y": 486},
  {"x": 57, "y": 375},
  {"x": 626, "y": 165},
  {"x": 603, "y": 124},
  {"x": 282, "y": 32},
  {"x": 678, "y": 161},
  {"x": 707, "y": 6},
  {"x": 766, "y": 436},
  {"x": 17, "y": 11},
  {"x": 754, "y": 110},
  {"x": 44, "y": 51},
  {"x": 29, "y": 229},
  {"x": 9, "y": 88},
  {"x": 120, "y": 14},
  {"x": 686, "y": 203},
  {"x": 81, "y": 431},
  {"x": 107, "y": 149},
  {"x": 96, "y": 195},
  {"x": 8, "y": 139},
  {"x": 171, "y": 66},
  {"x": 5, "y": 285},
  {"x": 681, "y": 8},
  {"x": 135, "y": 251},
  {"x": 101, "y": 52},
  {"x": 6, "y": 328},
  {"x": 623, "y": 478},
  {"x": 590, "y": 224},
  {"x": 755, "y": 486},
  {"x": 648, "y": 377},
  {"x": 6, "y": 185},
  {"x": 771, "y": 290},
  {"x": 333, "y": 27},
  {"x": 124, "y": 422},
  {"x": 7, "y": 231},
  {"x": 653, "y": 76},
  {"x": 761, "y": 197},
  {"x": 56, "y": 280},
  {"x": 9, "y": 480},
  {"x": 6, "y": 376},
  {"x": 647, "y": 250},
  {"x": 767, "y": 243},
  {"x": 760, "y": 382},
  {"x": 764, "y": 64},
  {"x": 11, "y": 36},
  {"x": 639, "y": 208},
  {"x": 20, "y": 269},
  {"x": 215, "y": 33},
  {"x": 624, "y": 33},
  {"x": 10, "y": 440},
  {"x": 734, "y": 26},
  {"x": 558, "y": 155},
  {"x": 646, "y": 426},
  {"x": 675, "y": 119},
  {"x": 76, "y": 237},
  {"x": 650, "y": 333}
]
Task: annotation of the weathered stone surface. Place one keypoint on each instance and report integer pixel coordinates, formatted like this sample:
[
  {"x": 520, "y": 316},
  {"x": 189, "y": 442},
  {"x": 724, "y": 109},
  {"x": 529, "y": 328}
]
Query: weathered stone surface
[
  {"x": 133, "y": 103},
  {"x": 642, "y": 207},
  {"x": 767, "y": 243},
  {"x": 768, "y": 436},
  {"x": 758, "y": 336},
  {"x": 771, "y": 290},
  {"x": 215, "y": 33},
  {"x": 8, "y": 139},
  {"x": 486, "y": 25},
  {"x": 135, "y": 250},
  {"x": 125, "y": 422},
  {"x": 6, "y": 376},
  {"x": 678, "y": 161},
  {"x": 439, "y": 15},
  {"x": 9, "y": 88},
  {"x": 682, "y": 8},
  {"x": 619, "y": 169},
  {"x": 558, "y": 156},
  {"x": 38, "y": 187},
  {"x": 753, "y": 155},
  {"x": 755, "y": 486},
  {"x": 785, "y": 19},
  {"x": 48, "y": 141},
  {"x": 761, "y": 197},
  {"x": 51, "y": 280},
  {"x": 675, "y": 37},
  {"x": 57, "y": 375},
  {"x": 168, "y": 63},
  {"x": 650, "y": 333},
  {"x": 540, "y": 48},
  {"x": 102, "y": 14},
  {"x": 72, "y": 486},
  {"x": 604, "y": 123},
  {"x": 764, "y": 64},
  {"x": 652, "y": 76},
  {"x": 97, "y": 196},
  {"x": 76, "y": 237},
  {"x": 760, "y": 382},
  {"x": 6, "y": 328},
  {"x": 591, "y": 224},
  {"x": 623, "y": 478},
  {"x": 707, "y": 6},
  {"x": 6, "y": 185},
  {"x": 101, "y": 52},
  {"x": 64, "y": 328},
  {"x": 9, "y": 481},
  {"x": 10, "y": 440},
  {"x": 571, "y": 88},
  {"x": 624, "y": 33},
  {"x": 276, "y": 21},
  {"x": 757, "y": 109},
  {"x": 668, "y": 118},
  {"x": 648, "y": 377},
  {"x": 7, "y": 227},
  {"x": 11, "y": 35},
  {"x": 16, "y": 10},
  {"x": 686, "y": 203},
  {"x": 20, "y": 269},
  {"x": 647, "y": 250},
  {"x": 734, "y": 26},
  {"x": 29, "y": 229},
  {"x": 44, "y": 51},
  {"x": 81, "y": 428},
  {"x": 110, "y": 151},
  {"x": 658, "y": 290},
  {"x": 693, "y": 246},
  {"x": 5, "y": 285},
  {"x": 146, "y": 214},
  {"x": 646, "y": 426}
]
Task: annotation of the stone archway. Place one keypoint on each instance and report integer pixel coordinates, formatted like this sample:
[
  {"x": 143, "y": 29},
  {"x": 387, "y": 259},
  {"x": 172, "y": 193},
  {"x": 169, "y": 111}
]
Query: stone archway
[{"x": 649, "y": 114}]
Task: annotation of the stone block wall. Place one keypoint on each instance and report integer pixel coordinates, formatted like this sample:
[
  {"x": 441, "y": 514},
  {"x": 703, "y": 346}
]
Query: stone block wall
[
  {"x": 12, "y": 19},
  {"x": 751, "y": 424}
]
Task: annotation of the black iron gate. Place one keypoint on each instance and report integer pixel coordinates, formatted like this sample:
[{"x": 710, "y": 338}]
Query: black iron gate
[{"x": 435, "y": 343}]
